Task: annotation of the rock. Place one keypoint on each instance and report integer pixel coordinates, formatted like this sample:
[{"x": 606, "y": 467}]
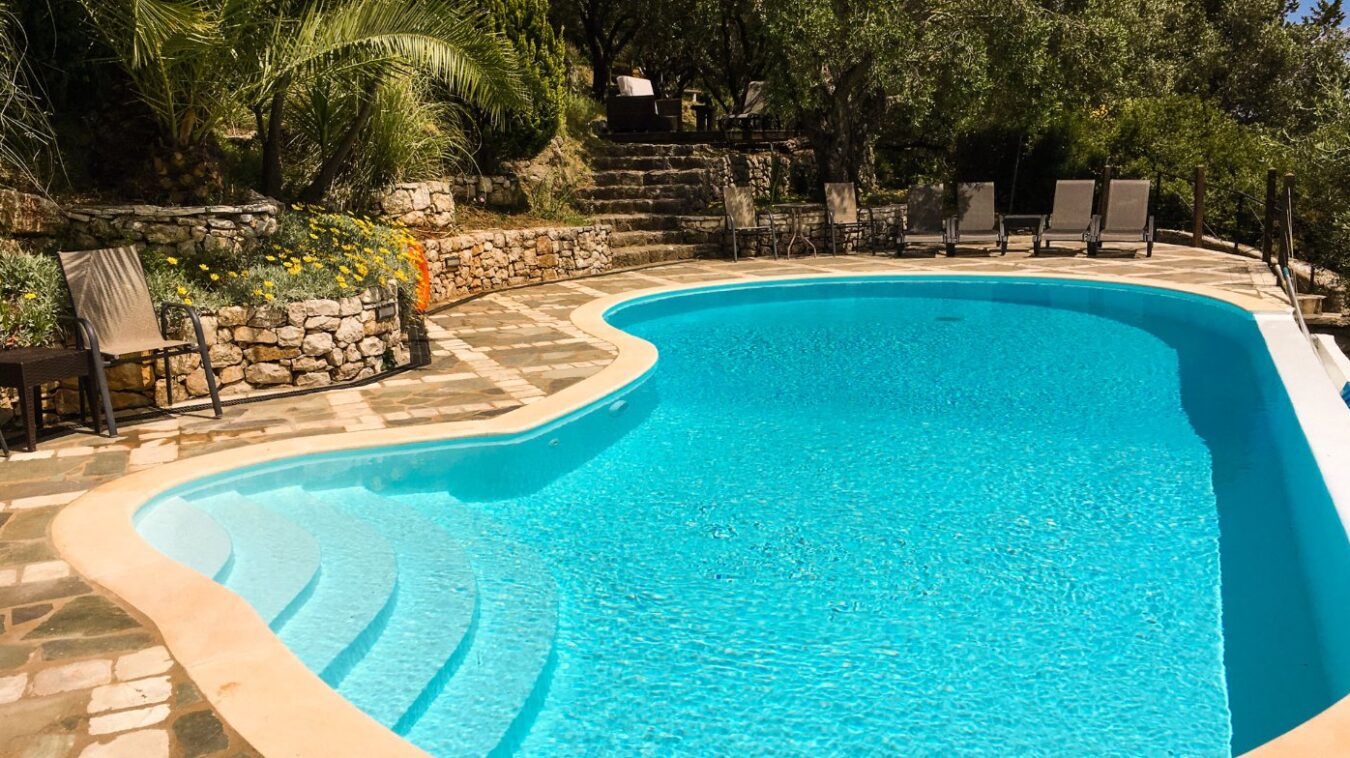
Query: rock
[
  {"x": 200, "y": 733},
  {"x": 265, "y": 353},
  {"x": 266, "y": 374},
  {"x": 196, "y": 383},
  {"x": 232, "y": 315},
  {"x": 372, "y": 346},
  {"x": 85, "y": 616},
  {"x": 322, "y": 323},
  {"x": 350, "y": 331},
  {"x": 225, "y": 354},
  {"x": 349, "y": 306},
  {"x": 290, "y": 336},
  {"x": 317, "y": 343},
  {"x": 267, "y": 316},
  {"x": 321, "y": 307},
  {"x": 309, "y": 364},
  {"x": 315, "y": 379},
  {"x": 230, "y": 375}
]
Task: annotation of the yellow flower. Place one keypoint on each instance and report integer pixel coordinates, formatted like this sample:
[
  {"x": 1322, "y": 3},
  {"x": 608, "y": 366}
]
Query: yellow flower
[
  {"x": 30, "y": 296},
  {"x": 234, "y": 274},
  {"x": 182, "y": 290},
  {"x": 344, "y": 269},
  {"x": 203, "y": 267},
  {"x": 313, "y": 236},
  {"x": 257, "y": 293},
  {"x": 172, "y": 261},
  {"x": 267, "y": 282},
  {"x": 270, "y": 257},
  {"x": 215, "y": 277},
  {"x": 187, "y": 301},
  {"x": 268, "y": 297}
]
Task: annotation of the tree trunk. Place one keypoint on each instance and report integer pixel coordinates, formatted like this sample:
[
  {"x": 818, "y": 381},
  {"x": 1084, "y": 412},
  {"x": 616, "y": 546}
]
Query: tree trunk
[
  {"x": 271, "y": 144},
  {"x": 333, "y": 164},
  {"x": 600, "y": 69}
]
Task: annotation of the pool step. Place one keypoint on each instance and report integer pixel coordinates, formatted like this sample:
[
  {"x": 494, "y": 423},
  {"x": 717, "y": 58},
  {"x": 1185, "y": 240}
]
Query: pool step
[
  {"x": 188, "y": 535},
  {"x": 428, "y": 630},
  {"x": 491, "y": 700},
  {"x": 275, "y": 560},
  {"x": 357, "y": 579}
]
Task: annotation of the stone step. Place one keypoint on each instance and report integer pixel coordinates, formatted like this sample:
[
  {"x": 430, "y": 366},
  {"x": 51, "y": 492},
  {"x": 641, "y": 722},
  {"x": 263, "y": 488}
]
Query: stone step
[
  {"x": 659, "y": 163},
  {"x": 276, "y": 562},
  {"x": 435, "y": 610},
  {"x": 490, "y": 701},
  {"x": 639, "y": 149},
  {"x": 357, "y": 576},
  {"x": 188, "y": 535},
  {"x": 694, "y": 194},
  {"x": 632, "y": 222},
  {"x": 647, "y": 254},
  {"x": 613, "y": 207},
  {"x": 637, "y": 238},
  {"x": 685, "y": 177}
]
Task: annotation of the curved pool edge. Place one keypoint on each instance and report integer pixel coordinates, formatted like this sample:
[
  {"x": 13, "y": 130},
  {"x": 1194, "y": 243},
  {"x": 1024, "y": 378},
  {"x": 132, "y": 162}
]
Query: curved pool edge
[{"x": 280, "y": 707}]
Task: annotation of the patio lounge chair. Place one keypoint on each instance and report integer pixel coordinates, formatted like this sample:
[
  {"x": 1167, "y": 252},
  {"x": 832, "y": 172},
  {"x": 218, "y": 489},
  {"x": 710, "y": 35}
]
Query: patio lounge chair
[
  {"x": 741, "y": 221},
  {"x": 633, "y": 107},
  {"x": 752, "y": 114},
  {"x": 975, "y": 219},
  {"x": 842, "y": 215},
  {"x": 925, "y": 223},
  {"x": 1127, "y": 217},
  {"x": 1071, "y": 219},
  {"x": 117, "y": 322}
]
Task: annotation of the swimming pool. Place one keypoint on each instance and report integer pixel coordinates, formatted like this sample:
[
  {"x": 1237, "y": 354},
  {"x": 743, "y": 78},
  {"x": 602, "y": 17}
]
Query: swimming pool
[{"x": 929, "y": 515}]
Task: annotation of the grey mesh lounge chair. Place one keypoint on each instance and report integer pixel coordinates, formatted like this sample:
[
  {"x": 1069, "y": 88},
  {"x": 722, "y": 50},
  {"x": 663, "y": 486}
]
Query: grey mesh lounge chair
[
  {"x": 925, "y": 222},
  {"x": 117, "y": 321},
  {"x": 975, "y": 219},
  {"x": 1127, "y": 217},
  {"x": 752, "y": 114},
  {"x": 1071, "y": 219},
  {"x": 842, "y": 215},
  {"x": 741, "y": 221}
]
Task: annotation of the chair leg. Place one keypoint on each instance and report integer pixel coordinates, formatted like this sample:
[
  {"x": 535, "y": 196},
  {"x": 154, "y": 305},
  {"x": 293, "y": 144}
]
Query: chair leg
[
  {"x": 951, "y": 249},
  {"x": 1149, "y": 253},
  {"x": 210, "y": 373},
  {"x": 735, "y": 252},
  {"x": 101, "y": 379},
  {"x": 773, "y": 242},
  {"x": 168, "y": 382}
]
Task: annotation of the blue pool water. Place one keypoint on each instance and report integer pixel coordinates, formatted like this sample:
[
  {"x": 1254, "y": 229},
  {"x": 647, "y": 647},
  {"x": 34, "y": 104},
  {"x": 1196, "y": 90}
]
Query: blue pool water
[{"x": 853, "y": 517}]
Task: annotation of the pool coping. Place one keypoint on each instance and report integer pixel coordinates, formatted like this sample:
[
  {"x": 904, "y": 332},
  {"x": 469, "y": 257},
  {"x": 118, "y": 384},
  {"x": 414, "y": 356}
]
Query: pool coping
[{"x": 280, "y": 707}]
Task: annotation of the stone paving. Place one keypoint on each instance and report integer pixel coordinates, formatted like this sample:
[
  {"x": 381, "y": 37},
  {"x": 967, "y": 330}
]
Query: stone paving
[{"x": 82, "y": 675}]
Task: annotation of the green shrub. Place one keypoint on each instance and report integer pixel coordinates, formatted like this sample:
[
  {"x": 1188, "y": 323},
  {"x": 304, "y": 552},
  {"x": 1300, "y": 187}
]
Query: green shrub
[
  {"x": 314, "y": 254},
  {"x": 543, "y": 67},
  {"x": 33, "y": 299}
]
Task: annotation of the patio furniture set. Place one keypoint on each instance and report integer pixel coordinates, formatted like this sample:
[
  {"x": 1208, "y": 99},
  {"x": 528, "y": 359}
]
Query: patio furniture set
[
  {"x": 974, "y": 219},
  {"x": 632, "y": 106},
  {"x": 115, "y": 323}
]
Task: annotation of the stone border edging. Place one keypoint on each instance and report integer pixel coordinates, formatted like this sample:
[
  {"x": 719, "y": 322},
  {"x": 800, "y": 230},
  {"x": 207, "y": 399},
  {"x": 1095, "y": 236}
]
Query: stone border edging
[{"x": 254, "y": 681}]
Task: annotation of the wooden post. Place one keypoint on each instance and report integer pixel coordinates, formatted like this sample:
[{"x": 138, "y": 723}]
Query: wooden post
[
  {"x": 1198, "y": 208},
  {"x": 1107, "y": 171},
  {"x": 1268, "y": 228}
]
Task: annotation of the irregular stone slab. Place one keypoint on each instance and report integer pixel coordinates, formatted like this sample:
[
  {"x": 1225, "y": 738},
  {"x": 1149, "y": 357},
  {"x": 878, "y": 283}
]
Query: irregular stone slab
[
  {"x": 200, "y": 733},
  {"x": 80, "y": 675},
  {"x": 78, "y": 648},
  {"x": 85, "y": 616}
]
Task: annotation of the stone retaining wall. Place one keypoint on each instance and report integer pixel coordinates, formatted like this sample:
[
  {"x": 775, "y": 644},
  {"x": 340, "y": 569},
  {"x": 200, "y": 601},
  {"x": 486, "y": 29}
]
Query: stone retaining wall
[
  {"x": 467, "y": 264},
  {"x": 173, "y": 230},
  {"x": 30, "y": 221},
  {"x": 770, "y": 173},
  {"x": 421, "y": 205},
  {"x": 312, "y": 343},
  {"x": 503, "y": 191}
]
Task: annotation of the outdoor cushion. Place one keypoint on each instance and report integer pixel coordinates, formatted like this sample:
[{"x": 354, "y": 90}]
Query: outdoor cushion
[{"x": 632, "y": 86}]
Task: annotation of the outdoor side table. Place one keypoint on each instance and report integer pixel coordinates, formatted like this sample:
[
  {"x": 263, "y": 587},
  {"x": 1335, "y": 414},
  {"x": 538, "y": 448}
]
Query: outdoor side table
[
  {"x": 797, "y": 224},
  {"x": 26, "y": 369}
]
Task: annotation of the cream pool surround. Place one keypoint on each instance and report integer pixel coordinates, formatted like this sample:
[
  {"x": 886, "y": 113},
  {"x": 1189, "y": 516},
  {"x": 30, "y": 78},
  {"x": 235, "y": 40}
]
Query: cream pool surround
[{"x": 282, "y": 708}]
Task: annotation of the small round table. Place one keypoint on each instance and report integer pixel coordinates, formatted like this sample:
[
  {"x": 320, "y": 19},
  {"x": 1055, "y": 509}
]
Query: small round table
[{"x": 795, "y": 211}]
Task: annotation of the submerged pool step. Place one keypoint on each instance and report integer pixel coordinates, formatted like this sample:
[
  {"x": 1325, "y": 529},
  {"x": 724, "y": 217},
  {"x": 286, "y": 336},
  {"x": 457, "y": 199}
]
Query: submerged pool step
[
  {"x": 492, "y": 698},
  {"x": 188, "y": 535},
  {"x": 357, "y": 576},
  {"x": 275, "y": 560},
  {"x": 434, "y": 610}
]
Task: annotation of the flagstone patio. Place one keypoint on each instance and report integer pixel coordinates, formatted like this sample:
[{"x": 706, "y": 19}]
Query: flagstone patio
[{"x": 82, "y": 675}]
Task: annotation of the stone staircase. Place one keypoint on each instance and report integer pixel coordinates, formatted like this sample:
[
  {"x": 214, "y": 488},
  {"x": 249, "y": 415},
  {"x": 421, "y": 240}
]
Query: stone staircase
[{"x": 643, "y": 191}]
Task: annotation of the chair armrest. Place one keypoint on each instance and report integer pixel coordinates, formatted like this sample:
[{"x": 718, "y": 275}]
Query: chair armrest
[
  {"x": 85, "y": 336},
  {"x": 189, "y": 311}
]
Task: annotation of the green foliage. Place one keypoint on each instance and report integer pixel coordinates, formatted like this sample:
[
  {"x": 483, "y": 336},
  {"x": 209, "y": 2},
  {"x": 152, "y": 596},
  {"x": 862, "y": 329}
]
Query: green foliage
[
  {"x": 543, "y": 67},
  {"x": 33, "y": 299},
  {"x": 410, "y": 135},
  {"x": 26, "y": 137},
  {"x": 313, "y": 254}
]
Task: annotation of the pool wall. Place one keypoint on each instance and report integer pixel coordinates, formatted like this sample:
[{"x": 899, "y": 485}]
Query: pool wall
[{"x": 280, "y": 707}]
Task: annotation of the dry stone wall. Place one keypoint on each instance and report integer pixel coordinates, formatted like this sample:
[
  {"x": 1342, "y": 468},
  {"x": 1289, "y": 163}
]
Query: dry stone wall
[
  {"x": 421, "y": 205},
  {"x": 312, "y": 343},
  {"x": 810, "y": 234},
  {"x": 173, "y": 230},
  {"x": 467, "y": 264}
]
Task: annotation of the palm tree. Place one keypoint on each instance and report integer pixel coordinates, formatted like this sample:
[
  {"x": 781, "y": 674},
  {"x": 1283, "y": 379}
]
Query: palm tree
[{"x": 195, "y": 62}]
